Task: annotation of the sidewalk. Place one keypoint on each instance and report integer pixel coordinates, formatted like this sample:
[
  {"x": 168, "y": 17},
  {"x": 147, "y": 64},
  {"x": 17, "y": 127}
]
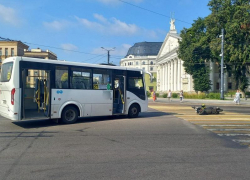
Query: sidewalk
[{"x": 243, "y": 102}]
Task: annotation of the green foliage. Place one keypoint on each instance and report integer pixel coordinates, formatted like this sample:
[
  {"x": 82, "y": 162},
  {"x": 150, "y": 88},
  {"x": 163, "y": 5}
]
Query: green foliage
[
  {"x": 230, "y": 93},
  {"x": 194, "y": 51},
  {"x": 234, "y": 17},
  {"x": 165, "y": 95},
  {"x": 213, "y": 95},
  {"x": 200, "y": 43},
  {"x": 148, "y": 94},
  {"x": 194, "y": 95},
  {"x": 248, "y": 93},
  {"x": 157, "y": 94},
  {"x": 174, "y": 95}
]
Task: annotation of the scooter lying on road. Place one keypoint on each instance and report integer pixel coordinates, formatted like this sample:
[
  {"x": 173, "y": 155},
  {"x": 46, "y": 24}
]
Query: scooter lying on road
[{"x": 203, "y": 110}]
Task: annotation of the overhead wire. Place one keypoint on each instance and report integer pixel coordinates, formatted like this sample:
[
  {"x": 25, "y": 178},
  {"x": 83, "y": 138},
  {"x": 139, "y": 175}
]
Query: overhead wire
[
  {"x": 75, "y": 51},
  {"x": 151, "y": 11}
]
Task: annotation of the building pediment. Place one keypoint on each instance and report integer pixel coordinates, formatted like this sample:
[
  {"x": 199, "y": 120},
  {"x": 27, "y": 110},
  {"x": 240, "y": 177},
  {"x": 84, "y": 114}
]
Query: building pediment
[{"x": 170, "y": 43}]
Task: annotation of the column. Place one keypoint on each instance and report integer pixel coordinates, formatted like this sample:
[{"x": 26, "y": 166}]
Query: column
[
  {"x": 172, "y": 75},
  {"x": 169, "y": 80},
  {"x": 175, "y": 74},
  {"x": 179, "y": 74},
  {"x": 182, "y": 74},
  {"x": 166, "y": 77},
  {"x": 163, "y": 78},
  {"x": 158, "y": 79},
  {"x": 190, "y": 83}
]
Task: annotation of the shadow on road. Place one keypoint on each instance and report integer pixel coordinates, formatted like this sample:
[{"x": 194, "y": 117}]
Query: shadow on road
[{"x": 49, "y": 123}]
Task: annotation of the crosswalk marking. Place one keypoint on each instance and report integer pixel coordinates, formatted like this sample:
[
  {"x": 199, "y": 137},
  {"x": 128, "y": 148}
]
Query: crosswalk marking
[
  {"x": 233, "y": 134},
  {"x": 228, "y": 129},
  {"x": 225, "y": 124},
  {"x": 241, "y": 140}
]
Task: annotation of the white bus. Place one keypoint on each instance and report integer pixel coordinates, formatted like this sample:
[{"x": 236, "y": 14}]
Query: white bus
[{"x": 32, "y": 88}]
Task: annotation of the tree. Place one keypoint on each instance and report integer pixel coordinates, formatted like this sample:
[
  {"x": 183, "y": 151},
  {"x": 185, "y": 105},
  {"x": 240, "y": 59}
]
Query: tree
[
  {"x": 194, "y": 51},
  {"x": 201, "y": 42},
  {"x": 234, "y": 17}
]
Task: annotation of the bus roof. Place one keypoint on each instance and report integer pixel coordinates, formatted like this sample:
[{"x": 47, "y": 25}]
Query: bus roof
[{"x": 70, "y": 63}]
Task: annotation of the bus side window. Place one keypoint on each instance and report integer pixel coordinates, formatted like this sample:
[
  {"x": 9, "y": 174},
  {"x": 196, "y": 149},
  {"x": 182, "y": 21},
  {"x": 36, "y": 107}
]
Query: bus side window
[
  {"x": 62, "y": 77},
  {"x": 135, "y": 84},
  {"x": 80, "y": 78},
  {"x": 102, "y": 79}
]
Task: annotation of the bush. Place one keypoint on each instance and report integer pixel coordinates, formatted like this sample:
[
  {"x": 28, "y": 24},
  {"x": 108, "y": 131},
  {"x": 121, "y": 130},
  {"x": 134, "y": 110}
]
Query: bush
[
  {"x": 174, "y": 95},
  {"x": 230, "y": 93},
  {"x": 195, "y": 95},
  {"x": 214, "y": 95},
  {"x": 148, "y": 94},
  {"x": 157, "y": 94},
  {"x": 165, "y": 95}
]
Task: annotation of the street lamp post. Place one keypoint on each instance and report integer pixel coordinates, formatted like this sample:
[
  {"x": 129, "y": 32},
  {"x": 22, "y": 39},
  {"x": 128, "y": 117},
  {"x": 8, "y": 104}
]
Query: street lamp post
[
  {"x": 108, "y": 50},
  {"x": 222, "y": 64}
]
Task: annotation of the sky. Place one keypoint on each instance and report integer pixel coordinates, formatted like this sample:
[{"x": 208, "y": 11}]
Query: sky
[{"x": 75, "y": 30}]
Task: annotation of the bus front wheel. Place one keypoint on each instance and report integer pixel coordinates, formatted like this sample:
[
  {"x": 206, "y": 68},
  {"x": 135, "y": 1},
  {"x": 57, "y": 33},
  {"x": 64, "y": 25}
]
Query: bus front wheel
[
  {"x": 133, "y": 111},
  {"x": 69, "y": 115}
]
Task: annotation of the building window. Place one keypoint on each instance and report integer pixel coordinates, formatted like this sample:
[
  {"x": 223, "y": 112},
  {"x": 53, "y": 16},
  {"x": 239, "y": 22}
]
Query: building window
[
  {"x": 230, "y": 85},
  {"x": 1, "y": 52},
  {"x": 143, "y": 62},
  {"x": 143, "y": 68},
  {"x": 137, "y": 63},
  {"x": 6, "y": 52},
  {"x": 12, "y": 52},
  {"x": 125, "y": 64},
  {"x": 151, "y": 68},
  {"x": 151, "y": 62},
  {"x": 217, "y": 85}
]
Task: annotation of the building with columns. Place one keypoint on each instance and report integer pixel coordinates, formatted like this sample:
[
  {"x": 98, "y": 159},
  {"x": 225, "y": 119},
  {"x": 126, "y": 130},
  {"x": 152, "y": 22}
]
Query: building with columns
[
  {"x": 170, "y": 71},
  {"x": 143, "y": 55}
]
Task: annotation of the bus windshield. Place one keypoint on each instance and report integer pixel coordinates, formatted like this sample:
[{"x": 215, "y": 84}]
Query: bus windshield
[{"x": 6, "y": 72}]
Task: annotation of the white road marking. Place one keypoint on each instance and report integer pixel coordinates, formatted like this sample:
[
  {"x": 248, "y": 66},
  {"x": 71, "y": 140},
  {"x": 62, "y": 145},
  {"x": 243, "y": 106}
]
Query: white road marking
[
  {"x": 228, "y": 129},
  {"x": 241, "y": 140},
  {"x": 233, "y": 134},
  {"x": 226, "y": 125}
]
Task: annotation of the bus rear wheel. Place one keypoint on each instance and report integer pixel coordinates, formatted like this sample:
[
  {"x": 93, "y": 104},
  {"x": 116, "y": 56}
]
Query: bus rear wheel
[
  {"x": 69, "y": 115},
  {"x": 133, "y": 111}
]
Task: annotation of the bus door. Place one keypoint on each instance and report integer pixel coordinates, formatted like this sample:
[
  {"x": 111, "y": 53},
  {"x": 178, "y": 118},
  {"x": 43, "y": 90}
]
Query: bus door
[
  {"x": 35, "y": 94},
  {"x": 119, "y": 94}
]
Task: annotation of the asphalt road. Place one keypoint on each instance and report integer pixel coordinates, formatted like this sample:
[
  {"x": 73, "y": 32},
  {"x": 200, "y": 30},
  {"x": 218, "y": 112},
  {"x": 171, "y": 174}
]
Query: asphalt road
[
  {"x": 157, "y": 145},
  {"x": 227, "y": 106}
]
